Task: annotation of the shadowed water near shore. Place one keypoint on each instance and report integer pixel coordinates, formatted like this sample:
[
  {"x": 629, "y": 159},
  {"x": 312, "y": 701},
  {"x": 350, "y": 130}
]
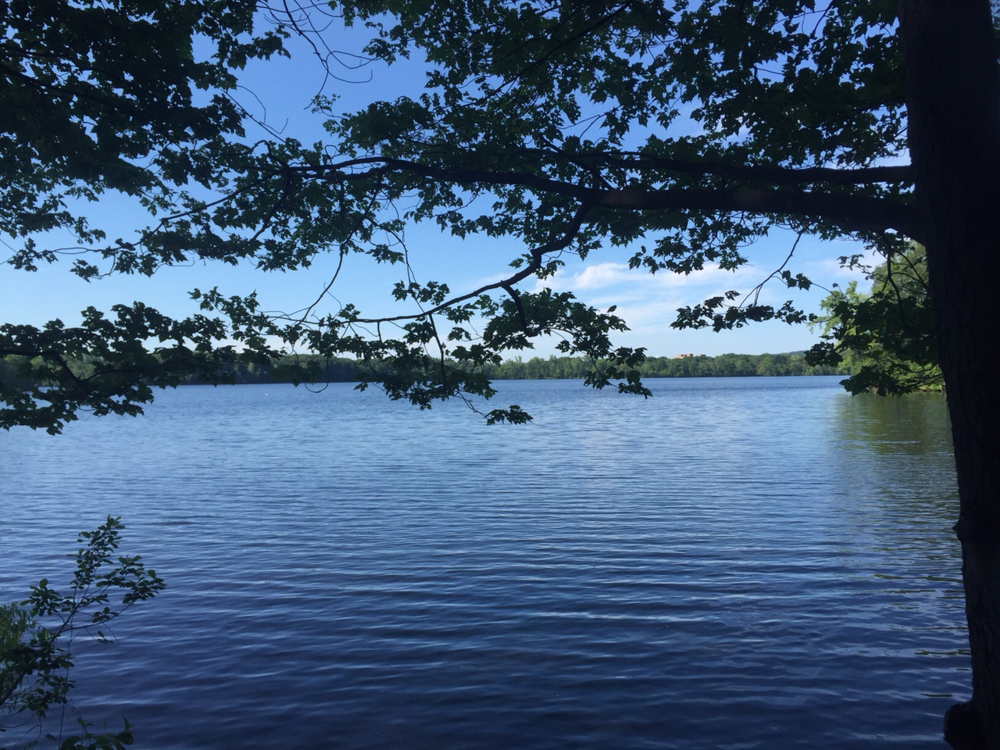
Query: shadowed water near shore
[{"x": 744, "y": 563}]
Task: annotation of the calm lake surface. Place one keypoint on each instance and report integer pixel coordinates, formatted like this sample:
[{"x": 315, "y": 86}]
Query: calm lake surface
[{"x": 734, "y": 563}]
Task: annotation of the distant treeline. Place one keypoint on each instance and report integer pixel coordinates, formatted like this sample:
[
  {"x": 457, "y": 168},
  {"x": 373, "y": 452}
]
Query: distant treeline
[
  {"x": 554, "y": 368},
  {"x": 318, "y": 369},
  {"x": 723, "y": 366},
  {"x": 286, "y": 370}
]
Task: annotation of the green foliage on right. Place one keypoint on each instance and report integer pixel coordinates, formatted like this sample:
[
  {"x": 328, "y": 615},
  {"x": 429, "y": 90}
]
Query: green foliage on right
[
  {"x": 885, "y": 338},
  {"x": 35, "y": 634}
]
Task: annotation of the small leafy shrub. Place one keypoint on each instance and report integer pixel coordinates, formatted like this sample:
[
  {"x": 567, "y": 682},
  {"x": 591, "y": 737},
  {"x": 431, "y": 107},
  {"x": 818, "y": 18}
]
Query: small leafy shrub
[{"x": 36, "y": 635}]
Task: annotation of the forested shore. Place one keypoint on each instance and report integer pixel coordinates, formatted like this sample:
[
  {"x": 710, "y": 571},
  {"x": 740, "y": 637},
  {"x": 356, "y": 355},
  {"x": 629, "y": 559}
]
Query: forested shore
[{"x": 311, "y": 368}]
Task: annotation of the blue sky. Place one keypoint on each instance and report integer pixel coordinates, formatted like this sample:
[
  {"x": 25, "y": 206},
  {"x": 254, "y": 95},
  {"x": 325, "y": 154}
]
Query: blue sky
[{"x": 280, "y": 91}]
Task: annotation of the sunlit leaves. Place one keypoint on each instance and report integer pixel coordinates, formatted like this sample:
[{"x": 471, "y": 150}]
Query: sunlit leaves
[{"x": 886, "y": 337}]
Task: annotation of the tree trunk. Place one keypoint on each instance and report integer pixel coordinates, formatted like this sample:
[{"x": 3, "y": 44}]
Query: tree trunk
[{"x": 953, "y": 103}]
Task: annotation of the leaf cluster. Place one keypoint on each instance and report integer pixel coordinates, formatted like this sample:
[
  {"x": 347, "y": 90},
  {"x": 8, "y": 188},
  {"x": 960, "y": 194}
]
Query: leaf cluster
[
  {"x": 113, "y": 96},
  {"x": 124, "y": 356},
  {"x": 35, "y": 655}
]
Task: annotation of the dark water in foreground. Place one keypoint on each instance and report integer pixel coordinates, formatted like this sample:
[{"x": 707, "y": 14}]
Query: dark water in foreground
[{"x": 754, "y": 563}]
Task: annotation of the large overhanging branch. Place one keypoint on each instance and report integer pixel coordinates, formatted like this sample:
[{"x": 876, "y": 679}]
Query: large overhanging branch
[
  {"x": 778, "y": 176},
  {"x": 852, "y": 213}
]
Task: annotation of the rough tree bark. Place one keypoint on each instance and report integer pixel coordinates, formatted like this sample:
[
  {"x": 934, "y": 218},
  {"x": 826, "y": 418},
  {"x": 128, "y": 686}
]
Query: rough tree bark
[{"x": 953, "y": 103}]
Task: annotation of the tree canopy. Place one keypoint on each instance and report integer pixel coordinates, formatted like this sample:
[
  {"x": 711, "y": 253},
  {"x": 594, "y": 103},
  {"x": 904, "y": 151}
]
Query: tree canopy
[{"x": 680, "y": 135}]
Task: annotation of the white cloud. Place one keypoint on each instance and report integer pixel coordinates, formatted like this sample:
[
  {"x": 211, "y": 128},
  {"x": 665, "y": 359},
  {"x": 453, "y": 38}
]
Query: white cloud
[
  {"x": 604, "y": 276},
  {"x": 601, "y": 276}
]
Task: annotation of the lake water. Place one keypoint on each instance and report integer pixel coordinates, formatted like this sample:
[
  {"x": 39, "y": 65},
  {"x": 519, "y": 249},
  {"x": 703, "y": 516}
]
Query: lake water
[{"x": 734, "y": 563}]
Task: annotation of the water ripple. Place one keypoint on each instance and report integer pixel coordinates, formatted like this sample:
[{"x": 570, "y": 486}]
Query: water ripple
[{"x": 732, "y": 564}]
